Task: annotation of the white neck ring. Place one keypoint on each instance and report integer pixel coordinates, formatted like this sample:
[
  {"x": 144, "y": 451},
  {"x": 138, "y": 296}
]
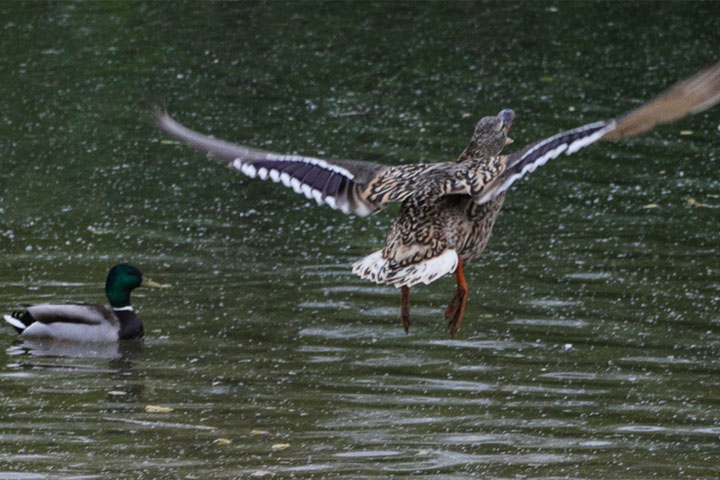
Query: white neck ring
[{"x": 124, "y": 309}]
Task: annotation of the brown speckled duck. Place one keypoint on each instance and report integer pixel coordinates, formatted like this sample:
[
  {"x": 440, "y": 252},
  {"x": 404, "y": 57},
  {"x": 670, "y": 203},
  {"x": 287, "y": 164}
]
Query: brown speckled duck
[{"x": 448, "y": 209}]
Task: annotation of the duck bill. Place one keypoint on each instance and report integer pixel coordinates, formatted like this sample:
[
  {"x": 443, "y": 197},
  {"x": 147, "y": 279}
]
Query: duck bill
[
  {"x": 149, "y": 283},
  {"x": 507, "y": 116}
]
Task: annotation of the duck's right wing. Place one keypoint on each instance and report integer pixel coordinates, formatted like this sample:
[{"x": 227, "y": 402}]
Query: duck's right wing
[
  {"x": 516, "y": 165},
  {"x": 351, "y": 186},
  {"x": 692, "y": 95},
  {"x": 689, "y": 96}
]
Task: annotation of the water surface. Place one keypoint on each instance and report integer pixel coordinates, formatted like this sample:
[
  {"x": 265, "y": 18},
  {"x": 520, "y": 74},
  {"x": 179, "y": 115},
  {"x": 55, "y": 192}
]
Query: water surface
[{"x": 590, "y": 343}]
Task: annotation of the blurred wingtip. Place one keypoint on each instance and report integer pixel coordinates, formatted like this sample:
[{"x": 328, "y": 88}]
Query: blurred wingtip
[
  {"x": 688, "y": 96},
  {"x": 154, "y": 110}
]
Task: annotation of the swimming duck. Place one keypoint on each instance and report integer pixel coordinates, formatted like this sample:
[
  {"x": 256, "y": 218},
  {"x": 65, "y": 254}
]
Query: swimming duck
[
  {"x": 88, "y": 322},
  {"x": 447, "y": 209}
]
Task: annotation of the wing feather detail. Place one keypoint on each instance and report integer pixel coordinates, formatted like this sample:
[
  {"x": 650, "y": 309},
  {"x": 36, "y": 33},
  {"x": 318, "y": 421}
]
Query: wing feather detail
[
  {"x": 518, "y": 164},
  {"x": 691, "y": 95},
  {"x": 339, "y": 184},
  {"x": 428, "y": 181}
]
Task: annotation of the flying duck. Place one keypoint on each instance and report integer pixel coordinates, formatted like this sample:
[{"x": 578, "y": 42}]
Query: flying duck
[{"x": 447, "y": 209}]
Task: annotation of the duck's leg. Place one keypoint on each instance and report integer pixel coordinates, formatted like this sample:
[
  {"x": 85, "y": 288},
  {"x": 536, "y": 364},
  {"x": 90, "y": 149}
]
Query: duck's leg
[
  {"x": 405, "y": 309},
  {"x": 456, "y": 309}
]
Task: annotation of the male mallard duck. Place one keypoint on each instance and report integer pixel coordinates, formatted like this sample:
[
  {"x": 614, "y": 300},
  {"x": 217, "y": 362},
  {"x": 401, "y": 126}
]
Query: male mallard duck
[
  {"x": 447, "y": 209},
  {"x": 88, "y": 322}
]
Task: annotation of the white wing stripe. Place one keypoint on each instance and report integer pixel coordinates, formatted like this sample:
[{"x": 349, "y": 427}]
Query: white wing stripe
[
  {"x": 287, "y": 180},
  {"x": 307, "y": 191},
  {"x": 312, "y": 161},
  {"x": 265, "y": 172},
  {"x": 248, "y": 169},
  {"x": 572, "y": 147},
  {"x": 585, "y": 141},
  {"x": 317, "y": 195},
  {"x": 296, "y": 185},
  {"x": 598, "y": 130}
]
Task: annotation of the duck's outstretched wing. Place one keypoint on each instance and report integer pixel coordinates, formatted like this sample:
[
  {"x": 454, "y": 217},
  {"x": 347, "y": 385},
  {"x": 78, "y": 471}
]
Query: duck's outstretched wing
[
  {"x": 692, "y": 95},
  {"x": 351, "y": 186},
  {"x": 516, "y": 165}
]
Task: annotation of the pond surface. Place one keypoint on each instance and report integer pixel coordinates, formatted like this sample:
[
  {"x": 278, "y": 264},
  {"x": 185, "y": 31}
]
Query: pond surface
[{"x": 591, "y": 339}]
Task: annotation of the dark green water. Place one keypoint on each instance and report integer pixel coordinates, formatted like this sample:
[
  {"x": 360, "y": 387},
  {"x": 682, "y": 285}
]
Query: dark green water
[{"x": 591, "y": 340}]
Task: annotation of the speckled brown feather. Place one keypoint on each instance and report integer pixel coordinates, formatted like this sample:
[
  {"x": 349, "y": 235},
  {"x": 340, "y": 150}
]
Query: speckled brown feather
[{"x": 448, "y": 209}]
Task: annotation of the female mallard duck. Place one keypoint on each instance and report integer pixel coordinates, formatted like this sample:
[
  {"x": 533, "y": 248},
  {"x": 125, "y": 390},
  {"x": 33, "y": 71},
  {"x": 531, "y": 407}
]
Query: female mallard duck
[
  {"x": 447, "y": 209},
  {"x": 88, "y": 322}
]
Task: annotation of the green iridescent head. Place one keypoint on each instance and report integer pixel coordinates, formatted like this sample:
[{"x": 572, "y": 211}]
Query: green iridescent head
[{"x": 123, "y": 279}]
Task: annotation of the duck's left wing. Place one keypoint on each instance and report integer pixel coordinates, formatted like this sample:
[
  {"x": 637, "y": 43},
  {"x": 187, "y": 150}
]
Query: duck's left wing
[
  {"x": 692, "y": 95},
  {"x": 351, "y": 186},
  {"x": 337, "y": 183}
]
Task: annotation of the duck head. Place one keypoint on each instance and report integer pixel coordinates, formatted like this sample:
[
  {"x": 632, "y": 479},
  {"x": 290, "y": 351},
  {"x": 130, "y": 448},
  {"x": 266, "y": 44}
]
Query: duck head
[
  {"x": 491, "y": 133},
  {"x": 123, "y": 279}
]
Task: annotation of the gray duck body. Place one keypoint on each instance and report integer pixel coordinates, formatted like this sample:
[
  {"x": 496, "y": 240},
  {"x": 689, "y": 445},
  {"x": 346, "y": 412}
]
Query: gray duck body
[{"x": 87, "y": 322}]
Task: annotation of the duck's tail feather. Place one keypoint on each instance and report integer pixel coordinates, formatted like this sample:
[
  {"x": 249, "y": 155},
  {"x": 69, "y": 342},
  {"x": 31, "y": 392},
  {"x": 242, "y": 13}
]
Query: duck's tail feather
[
  {"x": 381, "y": 270},
  {"x": 16, "y": 321}
]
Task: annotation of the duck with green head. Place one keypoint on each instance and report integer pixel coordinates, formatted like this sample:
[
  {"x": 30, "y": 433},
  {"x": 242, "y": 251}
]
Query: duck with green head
[{"x": 88, "y": 322}]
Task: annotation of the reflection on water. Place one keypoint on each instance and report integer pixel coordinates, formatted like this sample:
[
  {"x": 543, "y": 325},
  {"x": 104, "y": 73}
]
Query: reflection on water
[{"x": 590, "y": 344}]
